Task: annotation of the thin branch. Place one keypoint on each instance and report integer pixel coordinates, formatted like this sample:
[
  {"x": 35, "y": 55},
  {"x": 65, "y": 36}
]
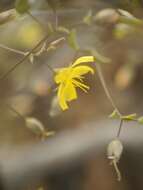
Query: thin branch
[
  {"x": 120, "y": 128},
  {"x": 102, "y": 80},
  {"x": 12, "y": 50},
  {"x": 15, "y": 111},
  {"x": 23, "y": 59}
]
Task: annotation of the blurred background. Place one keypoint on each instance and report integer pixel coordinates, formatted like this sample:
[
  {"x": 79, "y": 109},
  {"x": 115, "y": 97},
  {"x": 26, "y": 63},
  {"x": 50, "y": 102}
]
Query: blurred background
[{"x": 29, "y": 92}]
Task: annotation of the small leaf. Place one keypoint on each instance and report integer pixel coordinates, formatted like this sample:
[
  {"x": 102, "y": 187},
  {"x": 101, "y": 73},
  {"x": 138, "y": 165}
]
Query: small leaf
[
  {"x": 41, "y": 50},
  {"x": 72, "y": 39},
  {"x": 125, "y": 13},
  {"x": 53, "y": 45},
  {"x": 131, "y": 117},
  {"x": 100, "y": 58},
  {"x": 88, "y": 18},
  {"x": 49, "y": 133},
  {"x": 128, "y": 18},
  {"x": 35, "y": 125},
  {"x": 122, "y": 30},
  {"x": 50, "y": 48},
  {"x": 58, "y": 41},
  {"x": 114, "y": 115},
  {"x": 140, "y": 120},
  {"x": 63, "y": 29},
  {"x": 22, "y": 6},
  {"x": 7, "y": 16}
]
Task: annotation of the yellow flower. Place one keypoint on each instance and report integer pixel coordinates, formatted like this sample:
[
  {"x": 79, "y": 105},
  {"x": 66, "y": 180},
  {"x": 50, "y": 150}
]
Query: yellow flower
[{"x": 71, "y": 77}]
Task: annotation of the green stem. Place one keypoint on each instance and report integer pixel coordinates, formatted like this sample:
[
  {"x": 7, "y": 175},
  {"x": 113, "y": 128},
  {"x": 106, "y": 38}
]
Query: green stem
[
  {"x": 102, "y": 80},
  {"x": 120, "y": 128}
]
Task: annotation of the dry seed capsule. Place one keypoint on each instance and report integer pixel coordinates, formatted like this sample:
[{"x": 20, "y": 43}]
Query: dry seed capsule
[{"x": 114, "y": 150}]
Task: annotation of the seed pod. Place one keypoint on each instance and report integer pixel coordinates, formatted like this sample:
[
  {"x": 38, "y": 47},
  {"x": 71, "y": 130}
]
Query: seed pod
[
  {"x": 35, "y": 125},
  {"x": 107, "y": 16},
  {"x": 114, "y": 150}
]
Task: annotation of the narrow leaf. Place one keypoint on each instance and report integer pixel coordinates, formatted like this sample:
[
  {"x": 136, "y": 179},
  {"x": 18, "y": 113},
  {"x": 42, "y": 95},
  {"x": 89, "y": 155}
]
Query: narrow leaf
[
  {"x": 140, "y": 120},
  {"x": 88, "y": 18},
  {"x": 72, "y": 39},
  {"x": 131, "y": 117},
  {"x": 7, "y": 16},
  {"x": 114, "y": 115}
]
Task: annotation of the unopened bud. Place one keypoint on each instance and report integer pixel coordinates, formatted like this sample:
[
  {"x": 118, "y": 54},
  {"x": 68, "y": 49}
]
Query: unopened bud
[
  {"x": 35, "y": 125},
  {"x": 107, "y": 16}
]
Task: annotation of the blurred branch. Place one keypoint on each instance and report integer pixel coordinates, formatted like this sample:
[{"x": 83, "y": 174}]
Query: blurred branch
[
  {"x": 12, "y": 50},
  {"x": 5, "y": 75},
  {"x": 32, "y": 163}
]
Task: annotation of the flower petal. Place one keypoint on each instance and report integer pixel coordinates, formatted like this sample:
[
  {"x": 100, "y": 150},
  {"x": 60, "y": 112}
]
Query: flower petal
[
  {"x": 66, "y": 93},
  {"x": 81, "y": 70},
  {"x": 61, "y": 97},
  {"x": 83, "y": 59},
  {"x": 70, "y": 92},
  {"x": 61, "y": 75}
]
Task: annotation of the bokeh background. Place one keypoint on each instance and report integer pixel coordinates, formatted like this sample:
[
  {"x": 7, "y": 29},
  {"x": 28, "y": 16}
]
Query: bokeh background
[{"x": 31, "y": 91}]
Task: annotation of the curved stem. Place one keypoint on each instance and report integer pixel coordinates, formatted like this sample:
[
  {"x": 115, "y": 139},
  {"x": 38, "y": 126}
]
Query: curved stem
[
  {"x": 102, "y": 80},
  {"x": 117, "y": 170}
]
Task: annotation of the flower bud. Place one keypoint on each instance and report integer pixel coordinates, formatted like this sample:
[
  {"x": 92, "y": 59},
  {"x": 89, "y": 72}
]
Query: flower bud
[
  {"x": 107, "y": 16},
  {"x": 34, "y": 125}
]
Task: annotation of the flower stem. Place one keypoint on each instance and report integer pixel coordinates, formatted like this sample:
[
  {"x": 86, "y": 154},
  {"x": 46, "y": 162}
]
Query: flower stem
[
  {"x": 102, "y": 80},
  {"x": 120, "y": 128}
]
